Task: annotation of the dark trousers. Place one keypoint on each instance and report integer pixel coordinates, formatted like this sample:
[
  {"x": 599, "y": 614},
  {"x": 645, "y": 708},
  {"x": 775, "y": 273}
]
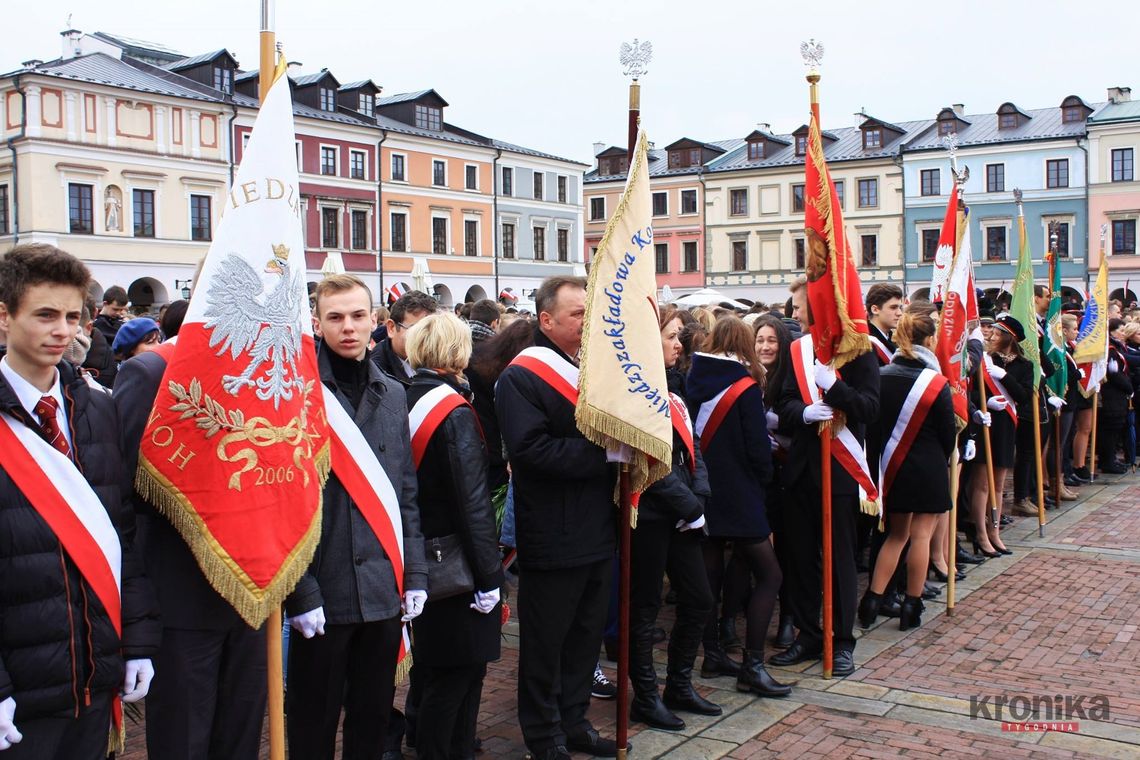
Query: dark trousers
[
  {"x": 82, "y": 738},
  {"x": 804, "y": 581},
  {"x": 1025, "y": 459},
  {"x": 1109, "y": 427},
  {"x": 350, "y": 666},
  {"x": 448, "y": 710},
  {"x": 561, "y": 616},
  {"x": 207, "y": 700}
]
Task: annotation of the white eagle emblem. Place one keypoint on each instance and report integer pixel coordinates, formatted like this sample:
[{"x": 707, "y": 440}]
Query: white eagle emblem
[
  {"x": 635, "y": 58},
  {"x": 243, "y": 317}
]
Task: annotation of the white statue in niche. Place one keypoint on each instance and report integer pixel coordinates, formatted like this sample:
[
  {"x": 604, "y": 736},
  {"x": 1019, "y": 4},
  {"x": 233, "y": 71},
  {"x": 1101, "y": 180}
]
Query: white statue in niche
[{"x": 113, "y": 203}]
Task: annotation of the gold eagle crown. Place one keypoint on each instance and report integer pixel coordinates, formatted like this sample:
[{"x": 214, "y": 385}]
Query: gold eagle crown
[{"x": 281, "y": 251}]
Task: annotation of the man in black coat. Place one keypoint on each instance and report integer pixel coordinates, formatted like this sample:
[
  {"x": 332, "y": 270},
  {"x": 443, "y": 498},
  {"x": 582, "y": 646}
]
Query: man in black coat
[
  {"x": 62, "y": 659},
  {"x": 856, "y": 395},
  {"x": 209, "y": 694},
  {"x": 390, "y": 354},
  {"x": 565, "y": 520},
  {"x": 110, "y": 317}
]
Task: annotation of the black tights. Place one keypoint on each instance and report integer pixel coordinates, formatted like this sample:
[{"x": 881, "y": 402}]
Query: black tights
[{"x": 759, "y": 556}]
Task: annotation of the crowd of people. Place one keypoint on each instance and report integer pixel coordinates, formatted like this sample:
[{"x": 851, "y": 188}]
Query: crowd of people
[{"x": 471, "y": 417}]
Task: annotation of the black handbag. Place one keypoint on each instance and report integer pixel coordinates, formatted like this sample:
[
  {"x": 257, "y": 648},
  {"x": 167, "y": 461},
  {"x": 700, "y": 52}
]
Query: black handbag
[{"x": 448, "y": 571}]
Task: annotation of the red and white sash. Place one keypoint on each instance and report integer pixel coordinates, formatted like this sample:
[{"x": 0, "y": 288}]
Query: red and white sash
[
  {"x": 913, "y": 414},
  {"x": 555, "y": 371},
  {"x": 357, "y": 468},
  {"x": 995, "y": 388},
  {"x": 679, "y": 415},
  {"x": 428, "y": 413},
  {"x": 712, "y": 412},
  {"x": 850, "y": 455},
  {"x": 884, "y": 354}
]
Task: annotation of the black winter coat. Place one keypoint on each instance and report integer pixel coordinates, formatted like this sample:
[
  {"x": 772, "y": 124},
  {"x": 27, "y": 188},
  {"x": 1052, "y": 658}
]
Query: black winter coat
[
  {"x": 564, "y": 506},
  {"x": 385, "y": 358},
  {"x": 483, "y": 399},
  {"x": 683, "y": 494},
  {"x": 739, "y": 456},
  {"x": 454, "y": 500},
  {"x": 101, "y": 360},
  {"x": 1116, "y": 390},
  {"x": 56, "y": 639}
]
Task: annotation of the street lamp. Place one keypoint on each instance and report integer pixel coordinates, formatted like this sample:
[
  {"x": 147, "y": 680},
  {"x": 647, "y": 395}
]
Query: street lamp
[{"x": 184, "y": 286}]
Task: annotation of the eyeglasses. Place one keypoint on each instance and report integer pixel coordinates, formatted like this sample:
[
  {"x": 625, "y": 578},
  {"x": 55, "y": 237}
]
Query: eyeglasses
[{"x": 401, "y": 325}]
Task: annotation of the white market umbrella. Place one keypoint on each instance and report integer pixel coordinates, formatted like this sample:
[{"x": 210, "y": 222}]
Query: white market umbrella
[{"x": 708, "y": 297}]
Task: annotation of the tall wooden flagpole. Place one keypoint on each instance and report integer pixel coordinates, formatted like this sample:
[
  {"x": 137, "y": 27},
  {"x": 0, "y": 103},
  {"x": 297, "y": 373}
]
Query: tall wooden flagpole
[
  {"x": 951, "y": 142},
  {"x": 273, "y": 632},
  {"x": 1057, "y": 442}
]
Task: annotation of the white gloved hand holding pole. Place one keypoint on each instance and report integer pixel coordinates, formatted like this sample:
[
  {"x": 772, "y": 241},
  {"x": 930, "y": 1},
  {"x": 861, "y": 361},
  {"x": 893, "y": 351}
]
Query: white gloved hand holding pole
[
  {"x": 818, "y": 412},
  {"x": 1056, "y": 402},
  {"x": 824, "y": 376},
  {"x": 414, "y": 601},
  {"x": 983, "y": 418},
  {"x": 996, "y": 403},
  {"x": 996, "y": 372},
  {"x": 310, "y": 624}
]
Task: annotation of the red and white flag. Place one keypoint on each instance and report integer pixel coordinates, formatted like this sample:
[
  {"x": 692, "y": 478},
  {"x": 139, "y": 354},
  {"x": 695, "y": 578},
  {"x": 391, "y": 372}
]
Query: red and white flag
[
  {"x": 957, "y": 295},
  {"x": 944, "y": 255}
]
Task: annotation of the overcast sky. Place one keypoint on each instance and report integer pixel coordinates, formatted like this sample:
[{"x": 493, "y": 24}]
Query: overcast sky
[{"x": 545, "y": 73}]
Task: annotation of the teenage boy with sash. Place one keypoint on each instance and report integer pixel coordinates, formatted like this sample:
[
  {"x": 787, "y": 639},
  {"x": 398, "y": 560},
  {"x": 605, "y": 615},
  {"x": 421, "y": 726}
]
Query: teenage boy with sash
[
  {"x": 884, "y": 309},
  {"x": 850, "y": 398},
  {"x": 565, "y": 529},
  {"x": 209, "y": 695},
  {"x": 80, "y": 619},
  {"x": 368, "y": 576}
]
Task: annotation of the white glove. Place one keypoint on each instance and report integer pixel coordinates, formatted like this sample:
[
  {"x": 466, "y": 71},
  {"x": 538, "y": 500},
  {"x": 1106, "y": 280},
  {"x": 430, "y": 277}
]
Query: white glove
[
  {"x": 983, "y": 418},
  {"x": 485, "y": 601},
  {"x": 137, "y": 681},
  {"x": 311, "y": 623},
  {"x": 414, "y": 601},
  {"x": 818, "y": 412},
  {"x": 996, "y": 403},
  {"x": 970, "y": 452},
  {"x": 773, "y": 420},
  {"x": 1056, "y": 402},
  {"x": 1113, "y": 366},
  {"x": 694, "y": 525},
  {"x": 1081, "y": 372},
  {"x": 824, "y": 376},
  {"x": 8, "y": 733},
  {"x": 996, "y": 372},
  {"x": 621, "y": 454}
]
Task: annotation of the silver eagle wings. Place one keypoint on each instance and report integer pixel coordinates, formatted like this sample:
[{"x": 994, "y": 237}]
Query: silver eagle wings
[
  {"x": 635, "y": 58},
  {"x": 245, "y": 317}
]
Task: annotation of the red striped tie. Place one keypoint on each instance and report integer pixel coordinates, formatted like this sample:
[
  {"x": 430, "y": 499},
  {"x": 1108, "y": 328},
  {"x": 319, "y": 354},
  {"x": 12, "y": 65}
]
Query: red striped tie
[{"x": 45, "y": 410}]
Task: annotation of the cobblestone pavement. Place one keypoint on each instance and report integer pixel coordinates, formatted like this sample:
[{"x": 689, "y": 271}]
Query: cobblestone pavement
[{"x": 1058, "y": 617}]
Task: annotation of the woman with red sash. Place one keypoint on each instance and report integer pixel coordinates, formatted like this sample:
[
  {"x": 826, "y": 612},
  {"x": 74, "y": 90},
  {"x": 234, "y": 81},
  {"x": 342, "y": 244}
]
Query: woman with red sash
[
  {"x": 728, "y": 405},
  {"x": 671, "y": 514},
  {"x": 916, "y": 427}
]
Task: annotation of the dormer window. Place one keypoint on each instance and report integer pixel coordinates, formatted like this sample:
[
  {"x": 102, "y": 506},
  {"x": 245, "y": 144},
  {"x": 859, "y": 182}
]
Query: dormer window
[
  {"x": 945, "y": 127},
  {"x": 223, "y": 79},
  {"x": 429, "y": 118},
  {"x": 685, "y": 157},
  {"x": 367, "y": 104},
  {"x": 605, "y": 167},
  {"x": 1072, "y": 113},
  {"x": 801, "y": 145},
  {"x": 328, "y": 99},
  {"x": 1007, "y": 121},
  {"x": 872, "y": 138},
  {"x": 755, "y": 150}
]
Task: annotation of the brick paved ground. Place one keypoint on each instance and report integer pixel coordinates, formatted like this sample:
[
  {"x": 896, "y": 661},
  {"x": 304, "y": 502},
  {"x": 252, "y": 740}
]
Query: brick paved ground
[{"x": 1058, "y": 617}]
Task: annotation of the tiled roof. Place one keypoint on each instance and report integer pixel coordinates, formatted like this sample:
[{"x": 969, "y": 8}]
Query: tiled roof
[
  {"x": 1110, "y": 112},
  {"x": 1043, "y": 124},
  {"x": 198, "y": 60},
  {"x": 100, "y": 68}
]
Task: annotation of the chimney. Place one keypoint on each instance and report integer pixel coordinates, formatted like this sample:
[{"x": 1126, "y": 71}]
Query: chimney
[
  {"x": 764, "y": 126},
  {"x": 959, "y": 109},
  {"x": 1119, "y": 94},
  {"x": 71, "y": 45},
  {"x": 860, "y": 117},
  {"x": 598, "y": 148},
  {"x": 31, "y": 63}
]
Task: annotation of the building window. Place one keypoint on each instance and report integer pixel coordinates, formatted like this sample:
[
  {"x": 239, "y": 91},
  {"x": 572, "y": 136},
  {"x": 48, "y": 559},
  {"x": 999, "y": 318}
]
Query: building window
[
  {"x": 995, "y": 178},
  {"x": 872, "y": 138},
  {"x": 328, "y": 160},
  {"x": 398, "y": 232},
  {"x": 661, "y": 254},
  {"x": 508, "y": 181},
  {"x": 930, "y": 182},
  {"x": 439, "y": 235},
  {"x": 605, "y": 167},
  {"x": 1070, "y": 114},
  {"x": 756, "y": 150},
  {"x": 539, "y": 243},
  {"x": 870, "y": 246},
  {"x": 1062, "y": 239},
  {"x": 330, "y": 227},
  {"x": 359, "y": 230},
  {"x": 1007, "y": 121},
  {"x": 367, "y": 104},
  {"x": 356, "y": 164},
  {"x": 739, "y": 255},
  {"x": 429, "y": 118},
  {"x": 660, "y": 204},
  {"x": 223, "y": 79},
  {"x": 1122, "y": 165},
  {"x": 470, "y": 237},
  {"x": 738, "y": 202},
  {"x": 538, "y": 179},
  {"x": 439, "y": 173},
  {"x": 1057, "y": 172},
  {"x": 801, "y": 145},
  {"x": 995, "y": 244},
  {"x": 561, "y": 189},
  {"x": 839, "y": 188},
  {"x": 200, "y": 218},
  {"x": 508, "y": 241},
  {"x": 798, "y": 198},
  {"x": 689, "y": 251},
  {"x": 471, "y": 177},
  {"x": 868, "y": 193},
  {"x": 398, "y": 163},
  {"x": 930, "y": 244},
  {"x": 296, "y": 146},
  {"x": 142, "y": 204},
  {"x": 1124, "y": 236},
  {"x": 328, "y": 99},
  {"x": 5, "y": 226},
  {"x": 688, "y": 201},
  {"x": 597, "y": 209},
  {"x": 801, "y": 254},
  {"x": 79, "y": 209},
  {"x": 563, "y": 245},
  {"x": 946, "y": 127}
]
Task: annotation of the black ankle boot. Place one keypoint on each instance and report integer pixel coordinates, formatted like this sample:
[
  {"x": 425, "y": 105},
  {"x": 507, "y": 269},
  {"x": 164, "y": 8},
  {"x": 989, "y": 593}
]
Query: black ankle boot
[
  {"x": 754, "y": 678},
  {"x": 717, "y": 663},
  {"x": 728, "y": 639},
  {"x": 787, "y": 633},
  {"x": 650, "y": 710},
  {"x": 869, "y": 608},
  {"x": 911, "y": 615}
]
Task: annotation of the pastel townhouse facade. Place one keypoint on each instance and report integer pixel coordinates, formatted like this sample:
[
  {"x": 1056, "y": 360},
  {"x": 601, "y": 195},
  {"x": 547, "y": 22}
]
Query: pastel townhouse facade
[
  {"x": 676, "y": 179},
  {"x": 1114, "y": 191},
  {"x": 1042, "y": 152},
  {"x": 755, "y": 206}
]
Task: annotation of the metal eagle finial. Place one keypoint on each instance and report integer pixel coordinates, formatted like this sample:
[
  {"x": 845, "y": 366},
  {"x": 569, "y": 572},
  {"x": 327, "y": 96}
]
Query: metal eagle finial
[
  {"x": 812, "y": 53},
  {"x": 951, "y": 142},
  {"x": 635, "y": 58}
]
